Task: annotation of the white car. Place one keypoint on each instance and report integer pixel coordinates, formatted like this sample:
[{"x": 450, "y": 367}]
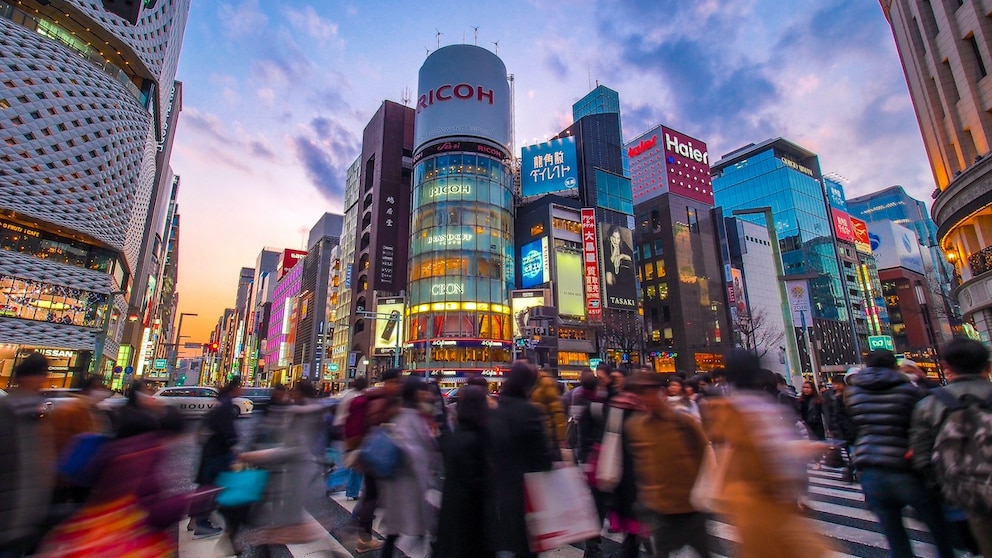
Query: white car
[{"x": 196, "y": 401}]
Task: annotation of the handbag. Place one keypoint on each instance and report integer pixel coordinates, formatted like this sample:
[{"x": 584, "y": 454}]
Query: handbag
[
  {"x": 76, "y": 458},
  {"x": 241, "y": 487},
  {"x": 609, "y": 462},
  {"x": 834, "y": 456},
  {"x": 559, "y": 509},
  {"x": 708, "y": 488},
  {"x": 380, "y": 455}
]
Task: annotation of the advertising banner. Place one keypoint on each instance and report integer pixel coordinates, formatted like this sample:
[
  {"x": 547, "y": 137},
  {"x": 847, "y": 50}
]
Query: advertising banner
[
  {"x": 835, "y": 194},
  {"x": 569, "y": 284},
  {"x": 388, "y": 325},
  {"x": 738, "y": 301},
  {"x": 799, "y": 302},
  {"x": 861, "y": 240},
  {"x": 842, "y": 225},
  {"x": 521, "y": 302},
  {"x": 462, "y": 91},
  {"x": 619, "y": 276},
  {"x": 590, "y": 266},
  {"x": 289, "y": 259},
  {"x": 547, "y": 167},
  {"x": 535, "y": 263},
  {"x": 688, "y": 166},
  {"x": 895, "y": 246}
]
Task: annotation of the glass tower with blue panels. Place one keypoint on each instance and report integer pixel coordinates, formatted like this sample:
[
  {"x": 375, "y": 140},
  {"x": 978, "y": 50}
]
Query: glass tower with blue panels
[
  {"x": 602, "y": 100},
  {"x": 786, "y": 177}
]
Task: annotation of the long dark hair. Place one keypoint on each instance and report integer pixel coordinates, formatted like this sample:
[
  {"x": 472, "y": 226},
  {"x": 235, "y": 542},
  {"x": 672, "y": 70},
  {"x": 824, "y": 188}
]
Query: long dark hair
[
  {"x": 473, "y": 407},
  {"x": 520, "y": 380}
]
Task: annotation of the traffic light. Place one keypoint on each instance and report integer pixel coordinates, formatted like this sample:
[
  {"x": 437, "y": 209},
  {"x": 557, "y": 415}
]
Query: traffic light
[{"x": 213, "y": 347}]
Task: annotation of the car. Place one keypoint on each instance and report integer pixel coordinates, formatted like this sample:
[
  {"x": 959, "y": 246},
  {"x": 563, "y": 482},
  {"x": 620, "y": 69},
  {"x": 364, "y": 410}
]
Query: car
[
  {"x": 259, "y": 396},
  {"x": 196, "y": 401},
  {"x": 59, "y": 397},
  {"x": 3, "y": 393}
]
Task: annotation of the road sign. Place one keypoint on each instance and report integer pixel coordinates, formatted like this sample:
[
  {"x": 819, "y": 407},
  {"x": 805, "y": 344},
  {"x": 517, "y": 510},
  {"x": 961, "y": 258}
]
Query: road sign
[
  {"x": 333, "y": 367},
  {"x": 876, "y": 342},
  {"x": 193, "y": 345},
  {"x": 161, "y": 364}
]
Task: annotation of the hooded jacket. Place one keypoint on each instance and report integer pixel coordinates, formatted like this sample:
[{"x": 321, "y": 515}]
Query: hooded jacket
[{"x": 880, "y": 403}]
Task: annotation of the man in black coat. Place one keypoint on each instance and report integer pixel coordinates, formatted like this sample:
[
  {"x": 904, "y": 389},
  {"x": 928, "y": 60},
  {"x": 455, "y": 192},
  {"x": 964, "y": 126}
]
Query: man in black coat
[{"x": 880, "y": 401}]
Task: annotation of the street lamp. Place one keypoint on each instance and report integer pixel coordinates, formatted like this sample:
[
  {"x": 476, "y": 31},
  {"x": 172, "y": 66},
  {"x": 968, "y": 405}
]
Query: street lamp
[{"x": 175, "y": 345}]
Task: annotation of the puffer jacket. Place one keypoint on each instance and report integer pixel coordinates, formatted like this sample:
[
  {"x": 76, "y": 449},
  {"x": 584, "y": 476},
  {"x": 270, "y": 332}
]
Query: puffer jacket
[
  {"x": 880, "y": 403},
  {"x": 929, "y": 414}
]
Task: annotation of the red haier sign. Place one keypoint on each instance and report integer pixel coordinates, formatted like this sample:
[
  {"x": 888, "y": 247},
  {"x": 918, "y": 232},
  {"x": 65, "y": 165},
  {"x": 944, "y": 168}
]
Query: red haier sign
[{"x": 687, "y": 166}]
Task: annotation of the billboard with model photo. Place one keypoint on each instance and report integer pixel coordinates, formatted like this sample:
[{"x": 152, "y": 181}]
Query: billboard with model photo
[{"x": 617, "y": 262}]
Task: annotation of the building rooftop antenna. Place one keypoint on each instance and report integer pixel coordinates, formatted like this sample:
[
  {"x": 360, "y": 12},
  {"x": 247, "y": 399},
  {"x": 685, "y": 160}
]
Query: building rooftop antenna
[
  {"x": 475, "y": 29},
  {"x": 439, "y": 33},
  {"x": 497, "y": 47},
  {"x": 406, "y": 96},
  {"x": 428, "y": 51},
  {"x": 836, "y": 177}
]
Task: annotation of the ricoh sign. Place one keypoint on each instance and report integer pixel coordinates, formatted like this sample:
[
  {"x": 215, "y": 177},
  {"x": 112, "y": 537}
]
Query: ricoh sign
[{"x": 462, "y": 92}]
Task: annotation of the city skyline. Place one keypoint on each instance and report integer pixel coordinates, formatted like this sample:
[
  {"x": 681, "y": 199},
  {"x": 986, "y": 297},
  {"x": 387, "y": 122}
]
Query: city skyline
[{"x": 262, "y": 158}]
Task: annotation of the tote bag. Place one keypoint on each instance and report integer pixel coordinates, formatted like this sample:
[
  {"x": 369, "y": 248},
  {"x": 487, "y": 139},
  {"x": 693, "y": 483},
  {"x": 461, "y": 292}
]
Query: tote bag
[
  {"x": 559, "y": 509},
  {"x": 241, "y": 487},
  {"x": 609, "y": 463},
  {"x": 708, "y": 488}
]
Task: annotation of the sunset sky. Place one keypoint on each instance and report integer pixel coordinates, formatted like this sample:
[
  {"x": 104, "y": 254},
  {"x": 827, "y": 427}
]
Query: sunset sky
[{"x": 276, "y": 95}]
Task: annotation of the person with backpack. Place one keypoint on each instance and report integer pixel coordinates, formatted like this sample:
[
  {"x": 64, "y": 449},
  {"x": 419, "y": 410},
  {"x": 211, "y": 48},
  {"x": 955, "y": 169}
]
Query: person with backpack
[
  {"x": 880, "y": 401},
  {"x": 951, "y": 436}
]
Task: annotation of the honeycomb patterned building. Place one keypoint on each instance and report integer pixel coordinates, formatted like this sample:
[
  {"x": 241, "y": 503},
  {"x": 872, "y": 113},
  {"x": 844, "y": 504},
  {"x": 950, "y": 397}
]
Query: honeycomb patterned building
[{"x": 85, "y": 100}]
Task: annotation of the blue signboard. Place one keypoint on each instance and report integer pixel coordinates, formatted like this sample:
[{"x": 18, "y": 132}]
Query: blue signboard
[
  {"x": 835, "y": 194},
  {"x": 535, "y": 267},
  {"x": 548, "y": 167}
]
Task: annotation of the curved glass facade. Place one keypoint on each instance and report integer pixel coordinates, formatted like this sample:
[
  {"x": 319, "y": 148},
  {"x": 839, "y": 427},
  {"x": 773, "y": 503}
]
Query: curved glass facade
[{"x": 461, "y": 259}]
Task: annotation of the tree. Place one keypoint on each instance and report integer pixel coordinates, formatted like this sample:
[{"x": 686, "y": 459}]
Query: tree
[
  {"x": 622, "y": 331},
  {"x": 756, "y": 332}
]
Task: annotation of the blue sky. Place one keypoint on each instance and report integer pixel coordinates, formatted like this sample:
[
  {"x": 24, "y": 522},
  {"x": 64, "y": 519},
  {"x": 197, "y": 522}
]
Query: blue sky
[{"x": 276, "y": 95}]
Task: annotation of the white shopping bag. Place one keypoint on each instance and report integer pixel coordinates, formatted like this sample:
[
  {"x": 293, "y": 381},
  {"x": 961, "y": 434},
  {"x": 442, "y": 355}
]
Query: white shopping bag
[{"x": 560, "y": 509}]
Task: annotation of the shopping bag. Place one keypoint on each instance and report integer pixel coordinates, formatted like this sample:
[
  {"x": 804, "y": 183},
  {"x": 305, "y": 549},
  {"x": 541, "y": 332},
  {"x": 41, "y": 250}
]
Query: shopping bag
[
  {"x": 337, "y": 480},
  {"x": 379, "y": 453},
  {"x": 609, "y": 464},
  {"x": 833, "y": 457},
  {"x": 241, "y": 487},
  {"x": 559, "y": 509},
  {"x": 114, "y": 528},
  {"x": 708, "y": 488}
]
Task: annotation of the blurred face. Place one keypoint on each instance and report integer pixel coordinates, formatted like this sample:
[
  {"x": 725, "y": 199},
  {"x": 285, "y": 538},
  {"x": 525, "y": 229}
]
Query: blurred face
[
  {"x": 651, "y": 397},
  {"x": 603, "y": 376},
  {"x": 807, "y": 389},
  {"x": 690, "y": 391},
  {"x": 675, "y": 388},
  {"x": 618, "y": 380}
]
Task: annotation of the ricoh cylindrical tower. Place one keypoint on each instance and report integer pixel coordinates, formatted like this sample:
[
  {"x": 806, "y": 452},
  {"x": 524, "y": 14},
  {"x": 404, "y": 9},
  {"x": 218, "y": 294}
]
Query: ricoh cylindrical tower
[{"x": 461, "y": 233}]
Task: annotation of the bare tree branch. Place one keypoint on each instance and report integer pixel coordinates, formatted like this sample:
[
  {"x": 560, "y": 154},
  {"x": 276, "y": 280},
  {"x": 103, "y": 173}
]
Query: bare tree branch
[{"x": 757, "y": 333}]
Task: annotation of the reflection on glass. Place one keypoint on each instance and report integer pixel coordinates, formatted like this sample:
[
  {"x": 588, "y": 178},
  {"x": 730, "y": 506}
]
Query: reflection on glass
[{"x": 39, "y": 301}]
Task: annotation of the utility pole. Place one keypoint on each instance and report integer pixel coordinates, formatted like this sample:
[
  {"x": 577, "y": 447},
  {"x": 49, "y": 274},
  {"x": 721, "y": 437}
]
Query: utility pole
[{"x": 174, "y": 355}]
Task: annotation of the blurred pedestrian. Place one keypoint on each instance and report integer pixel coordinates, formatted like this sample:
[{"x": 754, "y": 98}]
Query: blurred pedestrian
[
  {"x": 667, "y": 447},
  {"x": 218, "y": 451},
  {"x": 622, "y": 510},
  {"x": 880, "y": 400},
  {"x": 461, "y": 521},
  {"x": 81, "y": 415},
  {"x": 128, "y": 514},
  {"x": 678, "y": 399},
  {"x": 411, "y": 497},
  {"x": 590, "y": 423},
  {"x": 839, "y": 423},
  {"x": 917, "y": 375},
  {"x": 517, "y": 445},
  {"x": 354, "y": 483},
  {"x": 966, "y": 366},
  {"x": 548, "y": 399},
  {"x": 765, "y": 472},
  {"x": 27, "y": 459}
]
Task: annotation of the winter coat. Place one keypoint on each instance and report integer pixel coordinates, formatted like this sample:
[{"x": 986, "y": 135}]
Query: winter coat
[
  {"x": 667, "y": 448},
  {"x": 26, "y": 473},
  {"x": 929, "y": 413},
  {"x": 546, "y": 396},
  {"x": 404, "y": 496},
  {"x": 880, "y": 402},
  {"x": 517, "y": 445},
  {"x": 811, "y": 414},
  {"x": 625, "y": 494},
  {"x": 590, "y": 408},
  {"x": 838, "y": 420},
  {"x": 218, "y": 451},
  {"x": 462, "y": 517}
]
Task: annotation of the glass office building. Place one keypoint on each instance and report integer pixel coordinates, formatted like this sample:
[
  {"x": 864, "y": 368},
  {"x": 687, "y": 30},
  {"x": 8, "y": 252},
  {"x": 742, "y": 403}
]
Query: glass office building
[{"x": 786, "y": 177}]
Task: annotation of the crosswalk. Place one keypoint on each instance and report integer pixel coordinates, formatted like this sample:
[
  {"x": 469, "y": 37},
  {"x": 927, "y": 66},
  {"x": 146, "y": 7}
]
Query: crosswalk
[{"x": 838, "y": 510}]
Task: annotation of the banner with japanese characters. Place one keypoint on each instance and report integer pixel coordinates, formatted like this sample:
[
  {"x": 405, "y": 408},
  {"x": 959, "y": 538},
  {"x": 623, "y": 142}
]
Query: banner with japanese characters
[
  {"x": 590, "y": 267},
  {"x": 549, "y": 167}
]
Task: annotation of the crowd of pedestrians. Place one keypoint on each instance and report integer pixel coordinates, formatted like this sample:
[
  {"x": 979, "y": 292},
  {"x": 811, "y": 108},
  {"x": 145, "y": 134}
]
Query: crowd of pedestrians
[{"x": 659, "y": 456}]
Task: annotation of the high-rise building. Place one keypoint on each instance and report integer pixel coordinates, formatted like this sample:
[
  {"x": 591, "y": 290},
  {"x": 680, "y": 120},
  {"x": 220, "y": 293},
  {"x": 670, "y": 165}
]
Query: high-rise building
[
  {"x": 677, "y": 252},
  {"x": 786, "y": 178},
  {"x": 380, "y": 258},
  {"x": 280, "y": 338},
  {"x": 313, "y": 332},
  {"x": 602, "y": 100},
  {"x": 461, "y": 233},
  {"x": 343, "y": 354},
  {"x": 946, "y": 50},
  {"x": 87, "y": 103}
]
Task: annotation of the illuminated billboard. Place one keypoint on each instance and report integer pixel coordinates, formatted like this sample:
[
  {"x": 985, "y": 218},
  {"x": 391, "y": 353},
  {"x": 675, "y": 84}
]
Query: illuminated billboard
[
  {"x": 861, "y": 239},
  {"x": 835, "y": 194},
  {"x": 535, "y": 263},
  {"x": 568, "y": 284},
  {"x": 520, "y": 304},
  {"x": 738, "y": 299},
  {"x": 666, "y": 161},
  {"x": 289, "y": 260},
  {"x": 619, "y": 277},
  {"x": 895, "y": 246},
  {"x": 548, "y": 167},
  {"x": 462, "y": 91},
  {"x": 842, "y": 225},
  {"x": 388, "y": 325},
  {"x": 590, "y": 266}
]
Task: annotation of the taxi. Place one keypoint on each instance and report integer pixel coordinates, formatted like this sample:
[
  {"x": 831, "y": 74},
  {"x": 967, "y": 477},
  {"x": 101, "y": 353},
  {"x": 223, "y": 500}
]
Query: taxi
[{"x": 196, "y": 401}]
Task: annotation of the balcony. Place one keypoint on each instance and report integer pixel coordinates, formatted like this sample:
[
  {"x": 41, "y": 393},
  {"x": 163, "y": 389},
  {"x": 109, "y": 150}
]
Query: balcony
[{"x": 980, "y": 262}]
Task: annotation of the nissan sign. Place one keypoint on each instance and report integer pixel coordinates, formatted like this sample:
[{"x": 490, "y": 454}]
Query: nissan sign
[{"x": 462, "y": 91}]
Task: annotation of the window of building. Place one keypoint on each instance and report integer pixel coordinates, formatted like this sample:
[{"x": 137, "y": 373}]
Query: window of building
[{"x": 979, "y": 63}]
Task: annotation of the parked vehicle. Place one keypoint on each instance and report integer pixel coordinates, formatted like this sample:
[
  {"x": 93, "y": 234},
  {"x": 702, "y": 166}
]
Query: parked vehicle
[
  {"x": 196, "y": 401},
  {"x": 259, "y": 396}
]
